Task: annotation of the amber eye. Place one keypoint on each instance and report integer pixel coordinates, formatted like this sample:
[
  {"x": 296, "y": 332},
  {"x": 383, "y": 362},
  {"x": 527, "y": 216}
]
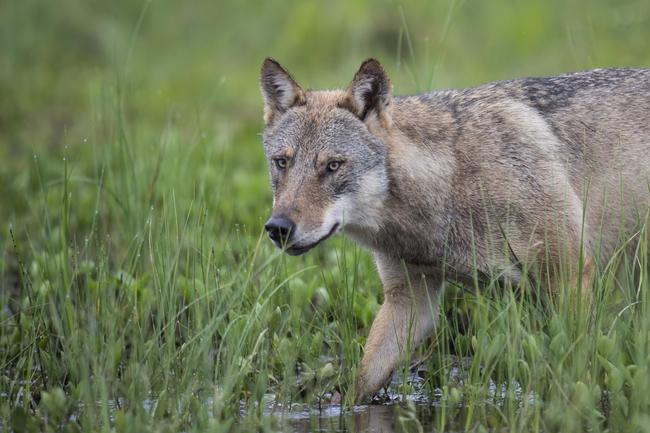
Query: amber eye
[
  {"x": 281, "y": 163},
  {"x": 333, "y": 165}
]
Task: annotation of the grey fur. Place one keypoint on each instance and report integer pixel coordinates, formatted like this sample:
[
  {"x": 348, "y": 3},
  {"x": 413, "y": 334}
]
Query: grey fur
[{"x": 533, "y": 173}]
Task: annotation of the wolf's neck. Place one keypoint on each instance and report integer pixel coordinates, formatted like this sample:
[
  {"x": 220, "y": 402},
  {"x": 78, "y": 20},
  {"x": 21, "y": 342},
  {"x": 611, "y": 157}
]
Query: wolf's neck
[{"x": 421, "y": 166}]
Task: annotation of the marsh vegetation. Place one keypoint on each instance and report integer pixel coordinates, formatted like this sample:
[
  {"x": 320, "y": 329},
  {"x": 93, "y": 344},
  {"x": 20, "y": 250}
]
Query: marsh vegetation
[{"x": 138, "y": 291}]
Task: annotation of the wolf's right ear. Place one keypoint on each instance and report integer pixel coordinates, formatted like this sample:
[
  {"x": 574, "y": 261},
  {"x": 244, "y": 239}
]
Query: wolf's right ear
[
  {"x": 370, "y": 90},
  {"x": 279, "y": 89}
]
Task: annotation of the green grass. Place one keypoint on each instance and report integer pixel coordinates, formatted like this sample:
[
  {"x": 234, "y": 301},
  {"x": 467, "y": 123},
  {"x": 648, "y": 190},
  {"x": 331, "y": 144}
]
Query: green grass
[{"x": 138, "y": 291}]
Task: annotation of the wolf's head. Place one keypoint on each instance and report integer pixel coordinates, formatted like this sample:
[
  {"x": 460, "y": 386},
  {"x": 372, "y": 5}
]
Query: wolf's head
[{"x": 328, "y": 170}]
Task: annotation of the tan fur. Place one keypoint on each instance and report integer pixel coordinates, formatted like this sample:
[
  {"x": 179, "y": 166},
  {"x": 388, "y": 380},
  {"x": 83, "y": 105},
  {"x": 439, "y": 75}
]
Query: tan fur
[
  {"x": 411, "y": 302},
  {"x": 535, "y": 175}
]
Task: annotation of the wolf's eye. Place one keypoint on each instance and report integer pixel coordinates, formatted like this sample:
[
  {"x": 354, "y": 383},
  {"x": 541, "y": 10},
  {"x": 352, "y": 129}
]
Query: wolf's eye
[
  {"x": 280, "y": 163},
  {"x": 333, "y": 165}
]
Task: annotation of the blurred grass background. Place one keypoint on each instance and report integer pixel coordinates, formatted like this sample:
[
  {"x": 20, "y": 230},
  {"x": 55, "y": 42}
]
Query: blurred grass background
[
  {"x": 133, "y": 191},
  {"x": 192, "y": 68}
]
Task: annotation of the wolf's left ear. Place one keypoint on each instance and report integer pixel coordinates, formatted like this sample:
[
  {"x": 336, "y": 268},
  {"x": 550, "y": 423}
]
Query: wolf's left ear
[
  {"x": 279, "y": 89},
  {"x": 370, "y": 90}
]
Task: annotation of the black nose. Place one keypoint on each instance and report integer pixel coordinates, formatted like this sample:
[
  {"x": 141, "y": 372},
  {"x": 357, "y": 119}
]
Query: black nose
[{"x": 279, "y": 229}]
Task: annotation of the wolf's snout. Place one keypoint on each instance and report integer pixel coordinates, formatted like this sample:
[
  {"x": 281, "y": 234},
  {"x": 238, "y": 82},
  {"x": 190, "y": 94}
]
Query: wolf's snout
[{"x": 280, "y": 229}]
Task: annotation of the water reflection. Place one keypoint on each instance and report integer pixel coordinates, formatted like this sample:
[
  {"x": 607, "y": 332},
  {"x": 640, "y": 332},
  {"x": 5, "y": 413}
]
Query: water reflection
[
  {"x": 421, "y": 410},
  {"x": 385, "y": 418},
  {"x": 378, "y": 418}
]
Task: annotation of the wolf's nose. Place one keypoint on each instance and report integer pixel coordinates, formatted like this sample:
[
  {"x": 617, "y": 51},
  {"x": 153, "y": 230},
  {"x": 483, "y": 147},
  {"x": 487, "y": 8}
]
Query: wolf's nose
[{"x": 279, "y": 229}]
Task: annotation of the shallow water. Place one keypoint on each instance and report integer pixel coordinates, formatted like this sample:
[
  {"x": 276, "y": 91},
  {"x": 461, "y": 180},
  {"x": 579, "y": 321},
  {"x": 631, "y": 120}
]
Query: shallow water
[
  {"x": 392, "y": 412},
  {"x": 367, "y": 418},
  {"x": 420, "y": 410}
]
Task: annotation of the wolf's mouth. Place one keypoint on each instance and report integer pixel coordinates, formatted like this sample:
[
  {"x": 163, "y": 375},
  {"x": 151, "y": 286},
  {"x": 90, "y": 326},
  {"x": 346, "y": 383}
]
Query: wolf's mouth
[{"x": 296, "y": 250}]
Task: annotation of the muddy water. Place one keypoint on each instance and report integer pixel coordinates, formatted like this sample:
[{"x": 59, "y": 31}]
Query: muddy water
[
  {"x": 391, "y": 412},
  {"x": 418, "y": 411},
  {"x": 370, "y": 418}
]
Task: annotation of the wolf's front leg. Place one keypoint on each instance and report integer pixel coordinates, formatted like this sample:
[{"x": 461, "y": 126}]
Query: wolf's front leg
[{"x": 407, "y": 316}]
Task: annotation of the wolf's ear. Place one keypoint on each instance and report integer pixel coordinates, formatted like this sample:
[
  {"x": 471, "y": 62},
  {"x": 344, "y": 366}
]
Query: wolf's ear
[
  {"x": 370, "y": 90},
  {"x": 279, "y": 89}
]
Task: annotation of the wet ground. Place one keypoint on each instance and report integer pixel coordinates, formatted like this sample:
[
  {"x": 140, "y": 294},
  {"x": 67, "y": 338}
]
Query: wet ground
[
  {"x": 418, "y": 410},
  {"x": 393, "y": 417},
  {"x": 391, "y": 412}
]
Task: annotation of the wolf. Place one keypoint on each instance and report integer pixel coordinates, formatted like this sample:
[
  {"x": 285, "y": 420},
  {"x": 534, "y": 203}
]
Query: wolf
[{"x": 539, "y": 176}]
